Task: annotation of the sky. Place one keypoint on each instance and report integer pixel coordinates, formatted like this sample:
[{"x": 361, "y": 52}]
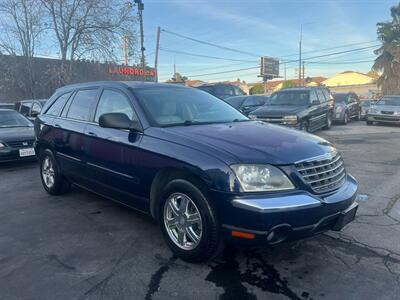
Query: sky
[{"x": 262, "y": 28}]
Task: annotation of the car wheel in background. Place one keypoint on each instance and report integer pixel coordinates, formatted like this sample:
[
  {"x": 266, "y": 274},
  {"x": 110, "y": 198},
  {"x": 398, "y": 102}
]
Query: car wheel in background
[
  {"x": 304, "y": 126},
  {"x": 346, "y": 118},
  {"x": 189, "y": 222},
  {"x": 369, "y": 123},
  {"x": 328, "y": 121},
  {"x": 52, "y": 179}
]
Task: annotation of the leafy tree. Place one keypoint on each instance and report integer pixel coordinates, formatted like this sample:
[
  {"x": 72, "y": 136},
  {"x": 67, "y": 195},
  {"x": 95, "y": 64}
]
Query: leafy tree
[
  {"x": 258, "y": 88},
  {"x": 373, "y": 74},
  {"x": 388, "y": 60},
  {"x": 288, "y": 84}
]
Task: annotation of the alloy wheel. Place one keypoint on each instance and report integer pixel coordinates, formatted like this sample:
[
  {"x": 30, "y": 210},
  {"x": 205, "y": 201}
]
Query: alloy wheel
[
  {"x": 182, "y": 221},
  {"x": 48, "y": 174}
]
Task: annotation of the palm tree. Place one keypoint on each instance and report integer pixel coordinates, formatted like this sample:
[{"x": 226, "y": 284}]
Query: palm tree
[{"x": 388, "y": 61}]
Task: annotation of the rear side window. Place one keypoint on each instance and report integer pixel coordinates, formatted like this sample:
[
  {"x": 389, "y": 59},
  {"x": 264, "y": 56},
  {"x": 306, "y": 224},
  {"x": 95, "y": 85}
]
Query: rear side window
[
  {"x": 82, "y": 104},
  {"x": 57, "y": 106},
  {"x": 113, "y": 102}
]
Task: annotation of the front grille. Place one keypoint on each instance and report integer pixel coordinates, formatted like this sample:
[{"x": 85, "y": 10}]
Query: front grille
[
  {"x": 20, "y": 144},
  {"x": 271, "y": 119},
  {"x": 324, "y": 174},
  {"x": 387, "y": 112}
]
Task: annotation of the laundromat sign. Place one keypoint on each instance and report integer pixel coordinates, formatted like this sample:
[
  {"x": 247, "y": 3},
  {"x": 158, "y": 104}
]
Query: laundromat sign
[{"x": 131, "y": 71}]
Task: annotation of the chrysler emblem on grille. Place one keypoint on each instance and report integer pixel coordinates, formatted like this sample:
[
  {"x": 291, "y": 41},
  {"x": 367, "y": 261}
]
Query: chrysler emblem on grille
[{"x": 24, "y": 143}]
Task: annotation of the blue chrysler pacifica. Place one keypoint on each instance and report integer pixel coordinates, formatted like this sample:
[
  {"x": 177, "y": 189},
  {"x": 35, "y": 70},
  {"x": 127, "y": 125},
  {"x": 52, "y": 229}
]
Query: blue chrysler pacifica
[{"x": 206, "y": 172}]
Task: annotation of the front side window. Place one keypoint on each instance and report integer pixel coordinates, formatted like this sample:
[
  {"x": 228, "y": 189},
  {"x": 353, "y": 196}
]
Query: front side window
[
  {"x": 58, "y": 105},
  {"x": 113, "y": 102},
  {"x": 25, "y": 108},
  {"x": 36, "y": 108},
  {"x": 165, "y": 106},
  {"x": 238, "y": 91},
  {"x": 82, "y": 104},
  {"x": 340, "y": 98}
]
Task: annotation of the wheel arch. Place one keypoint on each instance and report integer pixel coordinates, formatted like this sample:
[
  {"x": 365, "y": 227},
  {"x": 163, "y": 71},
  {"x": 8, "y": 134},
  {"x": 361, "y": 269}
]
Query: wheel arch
[{"x": 166, "y": 175}]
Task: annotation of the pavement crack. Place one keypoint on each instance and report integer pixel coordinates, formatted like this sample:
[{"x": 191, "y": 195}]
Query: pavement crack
[
  {"x": 156, "y": 278},
  {"x": 386, "y": 211}
]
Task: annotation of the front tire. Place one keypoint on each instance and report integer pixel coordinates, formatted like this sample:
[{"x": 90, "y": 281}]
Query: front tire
[
  {"x": 304, "y": 126},
  {"x": 52, "y": 179},
  {"x": 328, "y": 122},
  {"x": 358, "y": 117},
  {"x": 345, "y": 118},
  {"x": 189, "y": 222},
  {"x": 369, "y": 123}
]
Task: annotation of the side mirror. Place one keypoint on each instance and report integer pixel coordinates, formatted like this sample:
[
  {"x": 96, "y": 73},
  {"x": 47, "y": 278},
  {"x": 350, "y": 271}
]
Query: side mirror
[
  {"x": 34, "y": 114},
  {"x": 315, "y": 102},
  {"x": 119, "y": 121}
]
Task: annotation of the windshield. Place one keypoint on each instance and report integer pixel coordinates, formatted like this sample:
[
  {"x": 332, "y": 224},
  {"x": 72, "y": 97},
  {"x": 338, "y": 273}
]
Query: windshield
[
  {"x": 13, "y": 119},
  {"x": 295, "y": 98},
  {"x": 394, "y": 100},
  {"x": 340, "y": 98},
  {"x": 365, "y": 103},
  {"x": 167, "y": 106}
]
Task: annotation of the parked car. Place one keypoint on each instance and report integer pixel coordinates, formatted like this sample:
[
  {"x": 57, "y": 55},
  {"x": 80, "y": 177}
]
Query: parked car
[
  {"x": 16, "y": 136},
  {"x": 307, "y": 109},
  {"x": 222, "y": 90},
  {"x": 30, "y": 108},
  {"x": 347, "y": 107},
  {"x": 246, "y": 104},
  {"x": 6, "y": 105},
  {"x": 205, "y": 171},
  {"x": 386, "y": 110},
  {"x": 365, "y": 106}
]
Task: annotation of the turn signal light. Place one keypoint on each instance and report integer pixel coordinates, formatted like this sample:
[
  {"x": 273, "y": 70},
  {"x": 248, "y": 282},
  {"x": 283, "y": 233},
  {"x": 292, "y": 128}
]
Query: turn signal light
[{"x": 243, "y": 235}]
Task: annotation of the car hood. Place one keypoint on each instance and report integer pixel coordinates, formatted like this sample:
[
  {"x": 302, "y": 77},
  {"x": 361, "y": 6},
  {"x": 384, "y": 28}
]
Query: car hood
[
  {"x": 11, "y": 134},
  {"x": 247, "y": 142},
  {"x": 387, "y": 107},
  {"x": 277, "y": 110}
]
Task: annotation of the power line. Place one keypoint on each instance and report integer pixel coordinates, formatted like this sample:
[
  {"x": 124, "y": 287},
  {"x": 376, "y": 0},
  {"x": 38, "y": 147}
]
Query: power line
[
  {"x": 338, "y": 63},
  {"x": 331, "y": 48},
  {"x": 223, "y": 72},
  {"x": 210, "y": 44},
  {"x": 204, "y": 56}
]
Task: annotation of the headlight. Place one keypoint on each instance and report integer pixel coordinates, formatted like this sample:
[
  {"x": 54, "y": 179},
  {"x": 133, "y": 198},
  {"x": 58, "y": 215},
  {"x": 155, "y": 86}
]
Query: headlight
[
  {"x": 290, "y": 120},
  {"x": 397, "y": 113},
  {"x": 373, "y": 111},
  {"x": 2, "y": 145},
  {"x": 261, "y": 178},
  {"x": 339, "y": 109},
  {"x": 252, "y": 117}
]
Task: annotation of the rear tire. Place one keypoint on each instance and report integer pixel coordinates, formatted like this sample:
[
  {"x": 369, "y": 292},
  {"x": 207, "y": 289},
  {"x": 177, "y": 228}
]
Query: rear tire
[
  {"x": 193, "y": 239},
  {"x": 52, "y": 179}
]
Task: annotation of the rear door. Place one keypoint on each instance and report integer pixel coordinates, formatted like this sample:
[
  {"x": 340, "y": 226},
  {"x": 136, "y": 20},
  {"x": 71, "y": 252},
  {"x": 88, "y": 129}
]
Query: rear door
[
  {"x": 322, "y": 109},
  {"x": 112, "y": 154},
  {"x": 70, "y": 127}
]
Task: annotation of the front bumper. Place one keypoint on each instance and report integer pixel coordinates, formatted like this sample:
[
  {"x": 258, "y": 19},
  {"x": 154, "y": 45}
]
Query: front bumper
[
  {"x": 288, "y": 216},
  {"x": 383, "y": 118}
]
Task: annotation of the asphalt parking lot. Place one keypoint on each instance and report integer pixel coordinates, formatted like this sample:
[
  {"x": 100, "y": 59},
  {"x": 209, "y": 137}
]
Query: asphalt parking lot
[{"x": 81, "y": 246}]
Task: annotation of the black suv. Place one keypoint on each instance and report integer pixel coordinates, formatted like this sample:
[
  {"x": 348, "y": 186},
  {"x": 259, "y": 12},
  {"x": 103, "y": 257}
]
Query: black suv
[
  {"x": 307, "y": 109},
  {"x": 222, "y": 90},
  {"x": 347, "y": 107}
]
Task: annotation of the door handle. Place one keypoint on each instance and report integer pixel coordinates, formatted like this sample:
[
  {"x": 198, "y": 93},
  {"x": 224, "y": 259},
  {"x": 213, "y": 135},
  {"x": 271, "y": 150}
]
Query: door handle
[{"x": 91, "y": 133}]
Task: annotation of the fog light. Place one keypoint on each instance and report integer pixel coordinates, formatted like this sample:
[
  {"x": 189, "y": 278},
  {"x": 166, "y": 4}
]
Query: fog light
[{"x": 270, "y": 236}]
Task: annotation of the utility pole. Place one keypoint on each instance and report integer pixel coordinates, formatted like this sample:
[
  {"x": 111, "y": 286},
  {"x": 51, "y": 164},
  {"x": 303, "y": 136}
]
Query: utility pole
[
  {"x": 140, "y": 6},
  {"x": 125, "y": 50},
  {"x": 302, "y": 81},
  {"x": 156, "y": 54},
  {"x": 301, "y": 36},
  {"x": 284, "y": 70}
]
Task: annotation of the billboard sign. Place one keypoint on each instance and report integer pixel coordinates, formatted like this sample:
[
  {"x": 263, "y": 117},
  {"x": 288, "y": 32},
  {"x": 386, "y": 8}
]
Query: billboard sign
[{"x": 269, "y": 67}]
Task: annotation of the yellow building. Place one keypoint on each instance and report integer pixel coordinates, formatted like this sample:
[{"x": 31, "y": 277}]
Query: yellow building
[{"x": 348, "y": 78}]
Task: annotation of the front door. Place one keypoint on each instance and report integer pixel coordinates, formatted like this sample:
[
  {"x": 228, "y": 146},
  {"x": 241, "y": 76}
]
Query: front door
[{"x": 112, "y": 153}]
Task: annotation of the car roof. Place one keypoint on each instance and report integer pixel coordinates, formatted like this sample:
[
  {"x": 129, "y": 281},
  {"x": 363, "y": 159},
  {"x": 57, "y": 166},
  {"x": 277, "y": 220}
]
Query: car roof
[
  {"x": 7, "y": 109},
  {"x": 125, "y": 84},
  {"x": 301, "y": 88},
  {"x": 215, "y": 84}
]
